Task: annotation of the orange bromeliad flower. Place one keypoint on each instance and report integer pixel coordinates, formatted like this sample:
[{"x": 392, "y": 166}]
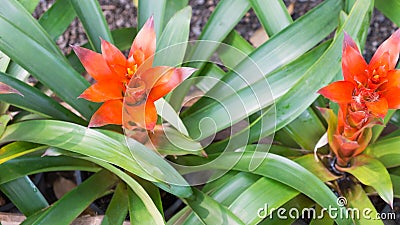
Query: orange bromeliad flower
[
  {"x": 364, "y": 96},
  {"x": 372, "y": 87},
  {"x": 133, "y": 78}
]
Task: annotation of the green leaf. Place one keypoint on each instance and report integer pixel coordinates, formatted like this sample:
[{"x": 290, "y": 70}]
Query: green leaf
[
  {"x": 316, "y": 167},
  {"x": 111, "y": 148},
  {"x": 165, "y": 110},
  {"x": 306, "y": 129},
  {"x": 213, "y": 184},
  {"x": 303, "y": 93},
  {"x": 14, "y": 13},
  {"x": 358, "y": 200},
  {"x": 377, "y": 130},
  {"x": 372, "y": 172},
  {"x": 224, "y": 18},
  {"x": 210, "y": 211},
  {"x": 280, "y": 81},
  {"x": 277, "y": 53},
  {"x": 139, "y": 191},
  {"x": 386, "y": 151},
  {"x": 169, "y": 141},
  {"x": 322, "y": 219},
  {"x": 27, "y": 165},
  {"x": 396, "y": 184},
  {"x": 294, "y": 102},
  {"x": 275, "y": 167},
  {"x": 212, "y": 75},
  {"x": 138, "y": 212},
  {"x": 173, "y": 42},
  {"x": 300, "y": 202},
  {"x": 233, "y": 56},
  {"x": 173, "y": 7},
  {"x": 92, "y": 19},
  {"x": 35, "y": 101},
  {"x": 118, "y": 208},
  {"x": 4, "y": 119},
  {"x": 76, "y": 200},
  {"x": 4, "y": 62},
  {"x": 155, "y": 8},
  {"x": 302, "y": 35},
  {"x": 29, "y": 5},
  {"x": 247, "y": 205},
  {"x": 24, "y": 195},
  {"x": 25, "y": 42},
  {"x": 123, "y": 37},
  {"x": 57, "y": 18},
  {"x": 227, "y": 192},
  {"x": 154, "y": 193},
  {"x": 389, "y": 8},
  {"x": 173, "y": 39},
  {"x": 16, "y": 149},
  {"x": 273, "y": 15}
]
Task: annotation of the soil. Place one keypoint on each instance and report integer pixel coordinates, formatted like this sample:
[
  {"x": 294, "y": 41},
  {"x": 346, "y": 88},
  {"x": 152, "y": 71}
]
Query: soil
[{"x": 123, "y": 13}]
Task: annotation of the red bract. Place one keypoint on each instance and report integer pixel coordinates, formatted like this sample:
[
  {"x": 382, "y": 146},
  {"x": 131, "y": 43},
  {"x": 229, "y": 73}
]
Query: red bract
[
  {"x": 372, "y": 87},
  {"x": 364, "y": 96},
  {"x": 133, "y": 78}
]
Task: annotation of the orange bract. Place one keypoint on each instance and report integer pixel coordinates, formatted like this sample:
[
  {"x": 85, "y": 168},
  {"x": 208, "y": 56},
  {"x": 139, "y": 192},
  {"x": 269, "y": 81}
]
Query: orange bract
[
  {"x": 129, "y": 83},
  {"x": 364, "y": 96},
  {"x": 368, "y": 85}
]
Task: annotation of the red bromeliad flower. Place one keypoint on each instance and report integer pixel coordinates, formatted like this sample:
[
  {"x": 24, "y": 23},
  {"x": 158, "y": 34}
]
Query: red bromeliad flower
[
  {"x": 364, "y": 97},
  {"x": 373, "y": 88},
  {"x": 133, "y": 78}
]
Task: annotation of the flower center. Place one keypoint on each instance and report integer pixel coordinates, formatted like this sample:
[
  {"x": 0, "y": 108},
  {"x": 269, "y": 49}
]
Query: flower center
[
  {"x": 366, "y": 95},
  {"x": 378, "y": 74},
  {"x": 130, "y": 71},
  {"x": 135, "y": 92}
]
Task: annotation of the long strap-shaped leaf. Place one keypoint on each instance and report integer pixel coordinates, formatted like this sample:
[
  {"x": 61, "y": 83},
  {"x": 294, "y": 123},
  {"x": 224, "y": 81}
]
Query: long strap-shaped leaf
[
  {"x": 118, "y": 207},
  {"x": 272, "y": 54},
  {"x": 210, "y": 211},
  {"x": 24, "y": 195},
  {"x": 390, "y": 8},
  {"x": 65, "y": 210},
  {"x": 35, "y": 101},
  {"x": 307, "y": 128},
  {"x": 112, "y": 149},
  {"x": 387, "y": 151},
  {"x": 280, "y": 169},
  {"x": 245, "y": 200},
  {"x": 57, "y": 18},
  {"x": 32, "y": 164},
  {"x": 282, "y": 48},
  {"x": 155, "y": 8},
  {"x": 272, "y": 14},
  {"x": 172, "y": 7},
  {"x": 226, "y": 194},
  {"x": 26, "y": 43},
  {"x": 303, "y": 93},
  {"x": 224, "y": 18},
  {"x": 92, "y": 18},
  {"x": 359, "y": 201},
  {"x": 12, "y": 10},
  {"x": 28, "y": 165}
]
